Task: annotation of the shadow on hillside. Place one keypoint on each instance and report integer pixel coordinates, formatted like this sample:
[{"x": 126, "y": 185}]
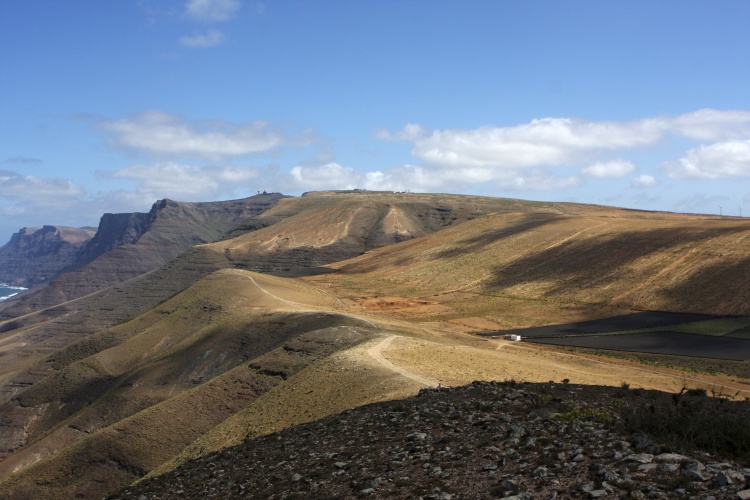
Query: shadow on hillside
[
  {"x": 724, "y": 286},
  {"x": 597, "y": 260},
  {"x": 475, "y": 244}
]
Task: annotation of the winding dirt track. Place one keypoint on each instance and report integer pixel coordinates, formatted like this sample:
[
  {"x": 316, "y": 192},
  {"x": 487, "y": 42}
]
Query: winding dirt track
[{"x": 376, "y": 353}]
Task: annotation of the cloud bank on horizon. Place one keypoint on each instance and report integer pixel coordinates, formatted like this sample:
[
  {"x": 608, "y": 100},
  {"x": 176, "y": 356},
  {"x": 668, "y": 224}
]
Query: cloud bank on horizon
[{"x": 187, "y": 141}]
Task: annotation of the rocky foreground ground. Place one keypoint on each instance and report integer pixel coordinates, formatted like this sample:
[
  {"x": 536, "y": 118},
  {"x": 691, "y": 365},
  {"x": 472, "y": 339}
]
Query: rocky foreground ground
[{"x": 490, "y": 440}]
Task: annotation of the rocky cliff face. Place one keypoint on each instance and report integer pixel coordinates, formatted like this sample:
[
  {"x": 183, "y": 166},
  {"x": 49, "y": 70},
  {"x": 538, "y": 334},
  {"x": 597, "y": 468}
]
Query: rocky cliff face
[
  {"x": 114, "y": 230},
  {"x": 34, "y": 255},
  {"x": 128, "y": 245}
]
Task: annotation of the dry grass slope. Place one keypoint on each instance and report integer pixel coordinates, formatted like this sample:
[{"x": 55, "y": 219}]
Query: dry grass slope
[{"x": 365, "y": 297}]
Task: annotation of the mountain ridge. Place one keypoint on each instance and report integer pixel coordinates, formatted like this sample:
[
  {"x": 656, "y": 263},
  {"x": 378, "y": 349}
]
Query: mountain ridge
[{"x": 321, "y": 303}]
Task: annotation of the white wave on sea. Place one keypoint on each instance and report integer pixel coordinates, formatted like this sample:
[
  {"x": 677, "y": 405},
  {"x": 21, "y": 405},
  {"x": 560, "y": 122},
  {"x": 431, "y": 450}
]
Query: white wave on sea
[{"x": 7, "y": 291}]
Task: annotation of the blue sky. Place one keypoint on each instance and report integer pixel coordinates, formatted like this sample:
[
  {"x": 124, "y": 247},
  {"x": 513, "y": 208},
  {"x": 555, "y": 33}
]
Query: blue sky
[{"x": 109, "y": 106}]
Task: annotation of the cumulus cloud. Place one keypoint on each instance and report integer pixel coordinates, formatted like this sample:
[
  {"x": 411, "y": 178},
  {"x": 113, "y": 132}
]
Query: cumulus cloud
[
  {"x": 186, "y": 182},
  {"x": 27, "y": 200},
  {"x": 410, "y": 133},
  {"x": 163, "y": 134},
  {"x": 212, "y": 10},
  {"x": 712, "y": 124},
  {"x": 328, "y": 176},
  {"x": 510, "y": 155},
  {"x": 210, "y": 38},
  {"x": 644, "y": 181},
  {"x": 713, "y": 161},
  {"x": 614, "y": 168},
  {"x": 541, "y": 180},
  {"x": 422, "y": 179},
  {"x": 43, "y": 190},
  {"x": 547, "y": 141}
]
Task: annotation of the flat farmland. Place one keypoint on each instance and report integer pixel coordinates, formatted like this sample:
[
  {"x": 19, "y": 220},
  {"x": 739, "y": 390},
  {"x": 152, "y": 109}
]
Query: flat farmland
[
  {"x": 640, "y": 320},
  {"x": 655, "y": 332},
  {"x": 674, "y": 343}
]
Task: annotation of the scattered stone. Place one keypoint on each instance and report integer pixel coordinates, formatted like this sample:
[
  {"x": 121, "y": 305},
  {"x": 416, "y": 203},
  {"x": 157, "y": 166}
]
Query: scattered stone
[
  {"x": 511, "y": 485},
  {"x": 696, "y": 475},
  {"x": 478, "y": 442},
  {"x": 667, "y": 467},
  {"x": 671, "y": 457},
  {"x": 647, "y": 467},
  {"x": 641, "y": 458}
]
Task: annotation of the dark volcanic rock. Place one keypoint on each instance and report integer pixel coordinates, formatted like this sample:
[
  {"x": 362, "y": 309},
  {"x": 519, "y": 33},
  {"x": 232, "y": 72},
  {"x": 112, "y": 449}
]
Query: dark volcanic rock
[
  {"x": 482, "y": 441},
  {"x": 34, "y": 255}
]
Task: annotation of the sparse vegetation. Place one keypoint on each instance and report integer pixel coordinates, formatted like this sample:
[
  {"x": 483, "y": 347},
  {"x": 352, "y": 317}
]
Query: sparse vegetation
[
  {"x": 690, "y": 420},
  {"x": 221, "y": 355}
]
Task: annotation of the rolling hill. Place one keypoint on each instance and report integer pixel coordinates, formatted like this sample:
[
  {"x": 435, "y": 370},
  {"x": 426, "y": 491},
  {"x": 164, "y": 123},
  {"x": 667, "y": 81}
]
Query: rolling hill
[{"x": 278, "y": 311}]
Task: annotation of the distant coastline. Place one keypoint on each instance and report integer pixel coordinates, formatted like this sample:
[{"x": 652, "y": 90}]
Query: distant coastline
[{"x": 8, "y": 291}]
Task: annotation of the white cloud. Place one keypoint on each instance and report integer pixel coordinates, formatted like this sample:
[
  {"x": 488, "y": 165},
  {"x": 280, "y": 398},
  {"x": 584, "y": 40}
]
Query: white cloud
[
  {"x": 212, "y": 10},
  {"x": 411, "y": 132},
  {"x": 540, "y": 180},
  {"x": 712, "y": 124},
  {"x": 512, "y": 155},
  {"x": 644, "y": 181},
  {"x": 41, "y": 190},
  {"x": 562, "y": 141},
  {"x": 27, "y": 200},
  {"x": 210, "y": 38},
  {"x": 164, "y": 134},
  {"x": 547, "y": 141},
  {"x": 328, "y": 176},
  {"x": 614, "y": 168},
  {"x": 186, "y": 182},
  {"x": 714, "y": 161},
  {"x": 423, "y": 179}
]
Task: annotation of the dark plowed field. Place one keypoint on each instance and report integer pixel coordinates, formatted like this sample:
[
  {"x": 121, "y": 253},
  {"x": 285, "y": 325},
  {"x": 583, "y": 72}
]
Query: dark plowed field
[
  {"x": 646, "y": 319},
  {"x": 674, "y": 343}
]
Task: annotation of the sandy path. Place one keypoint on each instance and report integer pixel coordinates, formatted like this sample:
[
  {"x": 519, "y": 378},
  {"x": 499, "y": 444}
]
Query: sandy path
[
  {"x": 376, "y": 353},
  {"x": 287, "y": 302}
]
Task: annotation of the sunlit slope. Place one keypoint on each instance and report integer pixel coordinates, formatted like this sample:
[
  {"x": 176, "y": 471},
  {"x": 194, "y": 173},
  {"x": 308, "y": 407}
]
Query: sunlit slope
[
  {"x": 324, "y": 227},
  {"x": 27, "y": 341},
  {"x": 294, "y": 236},
  {"x": 219, "y": 322},
  {"x": 162, "y": 380},
  {"x": 494, "y": 266}
]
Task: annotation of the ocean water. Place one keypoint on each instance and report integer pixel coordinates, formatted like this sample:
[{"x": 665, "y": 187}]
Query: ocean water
[{"x": 9, "y": 291}]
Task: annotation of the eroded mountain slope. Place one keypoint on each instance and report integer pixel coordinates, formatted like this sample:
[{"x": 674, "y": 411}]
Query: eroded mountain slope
[
  {"x": 185, "y": 366},
  {"x": 508, "y": 270},
  {"x": 243, "y": 354},
  {"x": 129, "y": 245}
]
